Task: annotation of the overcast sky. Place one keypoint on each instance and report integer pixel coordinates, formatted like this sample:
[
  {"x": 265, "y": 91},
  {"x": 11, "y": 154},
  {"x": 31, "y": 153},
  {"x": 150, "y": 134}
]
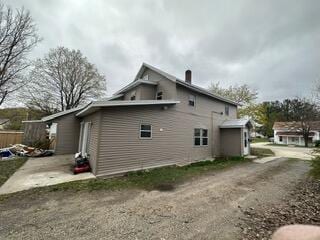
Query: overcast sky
[{"x": 273, "y": 46}]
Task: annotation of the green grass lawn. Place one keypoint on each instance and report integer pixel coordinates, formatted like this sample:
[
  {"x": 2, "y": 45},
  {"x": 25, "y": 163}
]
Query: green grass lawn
[
  {"x": 164, "y": 178},
  {"x": 286, "y": 145},
  {"x": 8, "y": 167},
  {"x": 261, "y": 152},
  {"x": 258, "y": 140},
  {"x": 315, "y": 164}
]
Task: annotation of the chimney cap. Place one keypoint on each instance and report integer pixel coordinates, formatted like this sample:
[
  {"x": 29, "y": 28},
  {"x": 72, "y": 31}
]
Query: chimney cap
[{"x": 188, "y": 76}]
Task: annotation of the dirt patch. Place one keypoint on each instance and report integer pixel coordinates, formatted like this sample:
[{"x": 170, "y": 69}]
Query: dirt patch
[{"x": 301, "y": 206}]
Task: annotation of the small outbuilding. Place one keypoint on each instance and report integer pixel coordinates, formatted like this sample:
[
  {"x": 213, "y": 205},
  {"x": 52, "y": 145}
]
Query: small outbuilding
[{"x": 235, "y": 137}]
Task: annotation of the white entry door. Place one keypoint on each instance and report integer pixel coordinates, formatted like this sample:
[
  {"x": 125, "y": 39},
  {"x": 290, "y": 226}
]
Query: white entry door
[
  {"x": 84, "y": 137},
  {"x": 245, "y": 141}
]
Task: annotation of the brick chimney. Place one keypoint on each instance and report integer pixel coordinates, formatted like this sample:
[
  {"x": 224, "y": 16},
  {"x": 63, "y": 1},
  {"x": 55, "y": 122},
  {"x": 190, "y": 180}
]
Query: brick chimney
[{"x": 188, "y": 76}]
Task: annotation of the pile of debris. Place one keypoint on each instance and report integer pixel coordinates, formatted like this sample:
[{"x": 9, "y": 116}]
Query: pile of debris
[{"x": 23, "y": 150}]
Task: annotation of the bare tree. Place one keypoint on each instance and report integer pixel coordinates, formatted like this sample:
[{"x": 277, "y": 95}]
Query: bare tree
[
  {"x": 62, "y": 80},
  {"x": 18, "y": 36}
]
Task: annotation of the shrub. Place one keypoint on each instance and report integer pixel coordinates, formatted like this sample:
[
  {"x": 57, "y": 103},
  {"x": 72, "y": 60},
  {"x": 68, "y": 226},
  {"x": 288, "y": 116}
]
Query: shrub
[{"x": 317, "y": 143}]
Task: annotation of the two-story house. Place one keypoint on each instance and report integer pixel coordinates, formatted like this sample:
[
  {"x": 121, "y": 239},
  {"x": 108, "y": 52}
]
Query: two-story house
[{"x": 154, "y": 121}]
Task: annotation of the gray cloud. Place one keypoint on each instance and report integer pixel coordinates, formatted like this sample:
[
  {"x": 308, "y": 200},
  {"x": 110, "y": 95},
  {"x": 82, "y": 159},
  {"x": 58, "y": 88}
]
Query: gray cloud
[{"x": 270, "y": 45}]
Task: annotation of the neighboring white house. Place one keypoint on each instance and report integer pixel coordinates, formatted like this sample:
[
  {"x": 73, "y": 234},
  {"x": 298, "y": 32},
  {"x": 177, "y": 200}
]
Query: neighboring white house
[{"x": 290, "y": 133}]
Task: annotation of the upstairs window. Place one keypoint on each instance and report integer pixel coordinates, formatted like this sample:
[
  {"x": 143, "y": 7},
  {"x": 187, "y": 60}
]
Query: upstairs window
[
  {"x": 226, "y": 110},
  {"x": 200, "y": 137},
  {"x": 192, "y": 100},
  {"x": 146, "y": 77},
  {"x": 159, "y": 95},
  {"x": 145, "y": 131},
  {"x": 133, "y": 96}
]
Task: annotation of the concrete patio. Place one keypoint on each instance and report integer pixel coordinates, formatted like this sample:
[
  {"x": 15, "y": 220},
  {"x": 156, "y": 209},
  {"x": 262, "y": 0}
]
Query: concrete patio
[{"x": 39, "y": 172}]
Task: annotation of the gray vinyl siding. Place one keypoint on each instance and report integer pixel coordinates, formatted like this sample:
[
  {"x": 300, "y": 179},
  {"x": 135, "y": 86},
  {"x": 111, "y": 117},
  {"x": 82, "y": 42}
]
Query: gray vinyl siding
[
  {"x": 93, "y": 139},
  {"x": 68, "y": 130},
  {"x": 142, "y": 92},
  {"x": 206, "y": 108},
  {"x": 231, "y": 142},
  {"x": 167, "y": 87},
  {"x": 147, "y": 92},
  {"x": 121, "y": 149}
]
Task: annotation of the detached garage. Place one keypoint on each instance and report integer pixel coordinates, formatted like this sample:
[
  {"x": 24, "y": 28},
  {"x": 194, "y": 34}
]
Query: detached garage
[{"x": 234, "y": 136}]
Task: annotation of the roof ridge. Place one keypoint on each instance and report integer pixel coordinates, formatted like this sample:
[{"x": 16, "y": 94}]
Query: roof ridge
[{"x": 178, "y": 80}]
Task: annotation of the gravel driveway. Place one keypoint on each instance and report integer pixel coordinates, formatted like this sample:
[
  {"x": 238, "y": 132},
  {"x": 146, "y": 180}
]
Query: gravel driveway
[
  {"x": 204, "y": 208},
  {"x": 287, "y": 151}
]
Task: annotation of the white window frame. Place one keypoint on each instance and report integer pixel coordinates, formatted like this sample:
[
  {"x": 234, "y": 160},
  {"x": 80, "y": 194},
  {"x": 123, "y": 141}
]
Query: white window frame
[
  {"x": 140, "y": 131},
  {"x": 84, "y": 144},
  {"x": 201, "y": 137},
  {"x": 192, "y": 98}
]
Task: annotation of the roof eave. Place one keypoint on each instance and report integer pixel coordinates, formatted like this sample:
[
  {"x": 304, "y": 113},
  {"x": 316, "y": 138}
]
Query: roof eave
[
  {"x": 133, "y": 85},
  {"x": 205, "y": 92},
  {"x": 98, "y": 106}
]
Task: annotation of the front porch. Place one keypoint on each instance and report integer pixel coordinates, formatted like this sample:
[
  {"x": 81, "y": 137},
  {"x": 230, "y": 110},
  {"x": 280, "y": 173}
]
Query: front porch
[{"x": 293, "y": 140}]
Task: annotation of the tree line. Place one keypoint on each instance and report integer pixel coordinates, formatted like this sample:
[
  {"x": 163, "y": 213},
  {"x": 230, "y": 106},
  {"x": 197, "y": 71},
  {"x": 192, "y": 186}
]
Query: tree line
[{"x": 301, "y": 110}]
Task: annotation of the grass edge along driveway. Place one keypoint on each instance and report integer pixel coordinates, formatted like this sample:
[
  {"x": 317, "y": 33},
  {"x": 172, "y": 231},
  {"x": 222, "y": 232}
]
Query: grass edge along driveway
[
  {"x": 9, "y": 167},
  {"x": 163, "y": 178}
]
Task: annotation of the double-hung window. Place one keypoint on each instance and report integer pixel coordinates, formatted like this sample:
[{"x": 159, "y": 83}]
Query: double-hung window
[
  {"x": 200, "y": 137},
  {"x": 145, "y": 131},
  {"x": 192, "y": 100}
]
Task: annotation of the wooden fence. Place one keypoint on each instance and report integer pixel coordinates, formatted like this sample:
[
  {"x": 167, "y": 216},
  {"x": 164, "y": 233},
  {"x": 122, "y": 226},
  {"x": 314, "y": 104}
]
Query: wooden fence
[{"x": 10, "y": 137}]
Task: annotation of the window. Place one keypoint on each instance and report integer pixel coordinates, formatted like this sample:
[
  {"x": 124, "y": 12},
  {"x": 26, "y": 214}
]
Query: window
[
  {"x": 200, "y": 137},
  {"x": 205, "y": 137},
  {"x": 146, "y": 77},
  {"x": 133, "y": 96},
  {"x": 197, "y": 136},
  {"x": 145, "y": 131},
  {"x": 192, "y": 100},
  {"x": 280, "y": 138},
  {"x": 226, "y": 110},
  {"x": 159, "y": 95}
]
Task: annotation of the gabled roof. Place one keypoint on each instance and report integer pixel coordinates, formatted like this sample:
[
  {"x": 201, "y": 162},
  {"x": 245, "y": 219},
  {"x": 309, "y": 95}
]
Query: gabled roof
[
  {"x": 236, "y": 123},
  {"x": 157, "y": 70},
  {"x": 95, "y": 106},
  {"x": 182, "y": 83},
  {"x": 3, "y": 121},
  {"x": 60, "y": 114},
  {"x": 134, "y": 84},
  {"x": 295, "y": 126}
]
